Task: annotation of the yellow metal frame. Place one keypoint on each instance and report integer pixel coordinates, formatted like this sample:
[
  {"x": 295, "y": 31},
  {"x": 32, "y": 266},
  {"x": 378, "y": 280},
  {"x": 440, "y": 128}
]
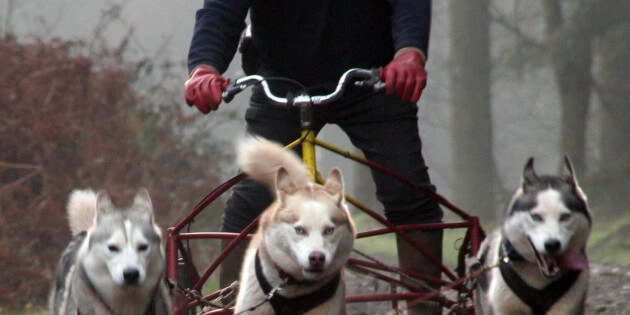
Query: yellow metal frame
[
  {"x": 308, "y": 153},
  {"x": 308, "y": 141},
  {"x": 309, "y": 158}
]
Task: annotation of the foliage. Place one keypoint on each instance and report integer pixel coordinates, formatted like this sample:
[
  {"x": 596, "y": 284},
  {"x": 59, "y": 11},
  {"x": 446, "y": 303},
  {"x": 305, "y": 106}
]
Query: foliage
[
  {"x": 609, "y": 240},
  {"x": 69, "y": 121}
]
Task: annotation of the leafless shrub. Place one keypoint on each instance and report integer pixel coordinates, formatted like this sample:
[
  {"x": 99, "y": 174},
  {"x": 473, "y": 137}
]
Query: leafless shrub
[{"x": 68, "y": 121}]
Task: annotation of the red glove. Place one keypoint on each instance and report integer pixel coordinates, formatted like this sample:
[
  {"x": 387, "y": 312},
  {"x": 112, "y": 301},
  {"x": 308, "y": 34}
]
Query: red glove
[
  {"x": 405, "y": 77},
  {"x": 203, "y": 89}
]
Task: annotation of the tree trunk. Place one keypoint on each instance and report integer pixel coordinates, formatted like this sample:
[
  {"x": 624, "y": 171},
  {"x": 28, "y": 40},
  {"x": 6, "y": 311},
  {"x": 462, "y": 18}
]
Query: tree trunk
[
  {"x": 470, "y": 96},
  {"x": 612, "y": 75},
  {"x": 571, "y": 58}
]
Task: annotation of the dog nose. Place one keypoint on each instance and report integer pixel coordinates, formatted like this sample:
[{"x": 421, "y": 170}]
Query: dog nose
[
  {"x": 316, "y": 259},
  {"x": 131, "y": 276},
  {"x": 552, "y": 246}
]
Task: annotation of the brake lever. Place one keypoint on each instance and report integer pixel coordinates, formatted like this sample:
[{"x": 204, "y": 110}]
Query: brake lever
[
  {"x": 374, "y": 82},
  {"x": 231, "y": 90}
]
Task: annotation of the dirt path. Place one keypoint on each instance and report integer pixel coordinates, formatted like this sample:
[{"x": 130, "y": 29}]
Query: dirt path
[{"x": 609, "y": 292}]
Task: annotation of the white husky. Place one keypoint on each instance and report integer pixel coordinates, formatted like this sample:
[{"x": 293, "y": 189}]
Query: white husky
[
  {"x": 303, "y": 241},
  {"x": 115, "y": 262},
  {"x": 540, "y": 249}
]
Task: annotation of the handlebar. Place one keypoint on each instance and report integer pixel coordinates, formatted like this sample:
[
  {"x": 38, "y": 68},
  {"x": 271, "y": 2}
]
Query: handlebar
[{"x": 365, "y": 78}]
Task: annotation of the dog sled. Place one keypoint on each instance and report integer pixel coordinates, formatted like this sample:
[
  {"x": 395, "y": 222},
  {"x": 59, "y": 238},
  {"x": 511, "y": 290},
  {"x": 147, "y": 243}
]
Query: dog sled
[{"x": 455, "y": 293}]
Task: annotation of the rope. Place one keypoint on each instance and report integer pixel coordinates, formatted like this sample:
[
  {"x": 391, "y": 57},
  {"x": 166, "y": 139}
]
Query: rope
[
  {"x": 269, "y": 296},
  {"x": 434, "y": 293},
  {"x": 431, "y": 291},
  {"x": 393, "y": 270},
  {"x": 194, "y": 295}
]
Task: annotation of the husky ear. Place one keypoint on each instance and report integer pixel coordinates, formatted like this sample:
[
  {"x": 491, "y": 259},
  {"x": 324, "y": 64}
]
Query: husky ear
[
  {"x": 142, "y": 202},
  {"x": 569, "y": 174},
  {"x": 103, "y": 204},
  {"x": 284, "y": 184},
  {"x": 529, "y": 174},
  {"x": 334, "y": 184}
]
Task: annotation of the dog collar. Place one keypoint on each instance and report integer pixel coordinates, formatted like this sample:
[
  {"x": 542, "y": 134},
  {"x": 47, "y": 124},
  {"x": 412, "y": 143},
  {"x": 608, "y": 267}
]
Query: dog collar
[
  {"x": 299, "y": 304},
  {"x": 539, "y": 300},
  {"x": 510, "y": 251}
]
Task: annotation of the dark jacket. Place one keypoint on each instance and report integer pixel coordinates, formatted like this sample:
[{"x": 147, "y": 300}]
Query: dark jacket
[{"x": 312, "y": 41}]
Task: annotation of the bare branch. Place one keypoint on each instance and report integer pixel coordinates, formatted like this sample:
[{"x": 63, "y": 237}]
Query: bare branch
[
  {"x": 553, "y": 16},
  {"x": 20, "y": 165},
  {"x": 498, "y": 17},
  {"x": 7, "y": 187}
]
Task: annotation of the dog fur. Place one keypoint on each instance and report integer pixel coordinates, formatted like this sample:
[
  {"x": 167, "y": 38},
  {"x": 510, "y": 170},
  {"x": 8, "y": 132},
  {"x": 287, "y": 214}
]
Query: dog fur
[
  {"x": 541, "y": 246},
  {"x": 115, "y": 262},
  {"x": 304, "y": 238}
]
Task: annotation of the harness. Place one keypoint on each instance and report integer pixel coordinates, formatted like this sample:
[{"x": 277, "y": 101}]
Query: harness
[
  {"x": 299, "y": 304},
  {"x": 539, "y": 300}
]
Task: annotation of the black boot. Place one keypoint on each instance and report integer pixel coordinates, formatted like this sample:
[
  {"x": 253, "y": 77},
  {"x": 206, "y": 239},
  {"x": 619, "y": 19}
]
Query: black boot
[{"x": 410, "y": 259}]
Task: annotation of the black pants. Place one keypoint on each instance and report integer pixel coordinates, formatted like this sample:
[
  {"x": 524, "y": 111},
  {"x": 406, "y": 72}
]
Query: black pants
[{"x": 384, "y": 128}]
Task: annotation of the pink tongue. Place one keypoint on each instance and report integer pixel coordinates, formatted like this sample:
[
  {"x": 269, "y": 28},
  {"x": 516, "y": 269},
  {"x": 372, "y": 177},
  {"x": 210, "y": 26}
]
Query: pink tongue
[{"x": 575, "y": 261}]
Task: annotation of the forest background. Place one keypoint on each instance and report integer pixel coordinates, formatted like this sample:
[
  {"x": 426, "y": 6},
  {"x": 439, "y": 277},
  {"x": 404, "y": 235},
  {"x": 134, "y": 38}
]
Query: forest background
[{"x": 91, "y": 97}]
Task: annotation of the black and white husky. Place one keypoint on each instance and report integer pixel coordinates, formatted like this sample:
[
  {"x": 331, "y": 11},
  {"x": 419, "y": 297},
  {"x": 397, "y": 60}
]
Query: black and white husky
[
  {"x": 115, "y": 262},
  {"x": 539, "y": 249}
]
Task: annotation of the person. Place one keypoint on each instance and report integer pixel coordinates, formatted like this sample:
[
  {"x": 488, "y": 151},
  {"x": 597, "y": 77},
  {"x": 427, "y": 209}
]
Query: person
[{"x": 314, "y": 42}]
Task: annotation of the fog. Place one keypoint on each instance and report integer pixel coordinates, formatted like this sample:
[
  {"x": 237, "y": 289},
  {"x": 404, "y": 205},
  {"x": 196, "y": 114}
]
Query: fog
[
  {"x": 507, "y": 80},
  {"x": 525, "y": 107}
]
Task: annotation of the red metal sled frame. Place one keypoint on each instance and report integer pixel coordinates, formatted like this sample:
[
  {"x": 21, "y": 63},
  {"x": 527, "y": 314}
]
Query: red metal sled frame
[{"x": 473, "y": 237}]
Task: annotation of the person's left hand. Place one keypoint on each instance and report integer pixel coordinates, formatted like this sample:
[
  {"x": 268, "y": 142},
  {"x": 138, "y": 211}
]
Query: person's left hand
[{"x": 404, "y": 76}]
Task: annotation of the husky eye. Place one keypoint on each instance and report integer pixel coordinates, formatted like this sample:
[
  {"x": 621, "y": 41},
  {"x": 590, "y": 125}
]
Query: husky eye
[
  {"x": 113, "y": 248},
  {"x": 299, "y": 230},
  {"x": 565, "y": 217},
  {"x": 329, "y": 230},
  {"x": 536, "y": 217},
  {"x": 143, "y": 247}
]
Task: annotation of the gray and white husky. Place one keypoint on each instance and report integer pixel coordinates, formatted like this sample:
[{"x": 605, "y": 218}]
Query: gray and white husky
[
  {"x": 539, "y": 249},
  {"x": 115, "y": 262}
]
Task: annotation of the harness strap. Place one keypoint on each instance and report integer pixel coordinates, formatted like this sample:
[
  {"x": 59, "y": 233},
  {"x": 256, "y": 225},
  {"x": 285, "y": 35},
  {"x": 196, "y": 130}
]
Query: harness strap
[
  {"x": 540, "y": 301},
  {"x": 300, "y": 304},
  {"x": 511, "y": 252}
]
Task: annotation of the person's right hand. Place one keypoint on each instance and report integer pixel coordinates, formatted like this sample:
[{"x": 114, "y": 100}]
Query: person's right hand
[{"x": 204, "y": 88}]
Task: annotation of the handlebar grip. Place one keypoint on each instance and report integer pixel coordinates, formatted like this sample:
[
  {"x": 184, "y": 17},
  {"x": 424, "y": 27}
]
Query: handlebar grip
[
  {"x": 374, "y": 82},
  {"x": 231, "y": 90}
]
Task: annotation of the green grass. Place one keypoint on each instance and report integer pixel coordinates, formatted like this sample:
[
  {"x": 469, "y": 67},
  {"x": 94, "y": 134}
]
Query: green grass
[
  {"x": 212, "y": 284},
  {"x": 383, "y": 247},
  {"x": 610, "y": 241},
  {"x": 27, "y": 311}
]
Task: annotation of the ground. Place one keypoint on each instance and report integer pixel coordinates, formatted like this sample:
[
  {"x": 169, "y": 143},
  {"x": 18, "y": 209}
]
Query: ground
[{"x": 609, "y": 292}]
